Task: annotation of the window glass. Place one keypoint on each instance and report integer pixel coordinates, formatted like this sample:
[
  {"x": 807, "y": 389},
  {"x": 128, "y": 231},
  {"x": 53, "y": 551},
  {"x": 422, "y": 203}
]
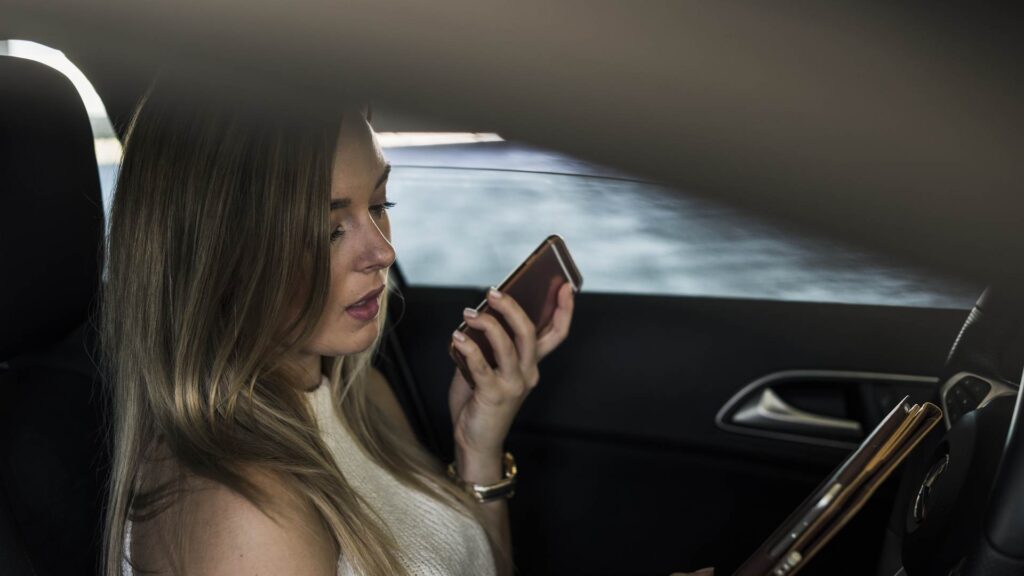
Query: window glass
[
  {"x": 471, "y": 206},
  {"x": 467, "y": 214}
]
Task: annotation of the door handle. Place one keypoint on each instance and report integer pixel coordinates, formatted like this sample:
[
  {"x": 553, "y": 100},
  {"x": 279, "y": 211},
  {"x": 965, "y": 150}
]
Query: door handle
[
  {"x": 757, "y": 409},
  {"x": 768, "y": 411}
]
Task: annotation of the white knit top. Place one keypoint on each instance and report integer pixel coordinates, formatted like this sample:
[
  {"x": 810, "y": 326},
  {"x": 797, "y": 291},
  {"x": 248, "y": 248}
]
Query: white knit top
[{"x": 433, "y": 539}]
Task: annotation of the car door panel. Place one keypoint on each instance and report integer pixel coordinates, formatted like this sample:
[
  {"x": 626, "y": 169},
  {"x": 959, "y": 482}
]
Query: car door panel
[{"x": 623, "y": 466}]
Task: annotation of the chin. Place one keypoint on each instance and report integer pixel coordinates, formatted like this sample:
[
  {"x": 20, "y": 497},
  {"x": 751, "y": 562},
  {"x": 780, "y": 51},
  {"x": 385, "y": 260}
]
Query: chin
[{"x": 359, "y": 341}]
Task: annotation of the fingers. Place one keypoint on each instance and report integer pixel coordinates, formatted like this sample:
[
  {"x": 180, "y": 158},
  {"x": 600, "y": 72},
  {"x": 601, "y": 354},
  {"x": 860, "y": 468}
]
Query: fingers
[
  {"x": 523, "y": 329},
  {"x": 504, "y": 350},
  {"x": 517, "y": 360},
  {"x": 492, "y": 386},
  {"x": 475, "y": 361},
  {"x": 558, "y": 328}
]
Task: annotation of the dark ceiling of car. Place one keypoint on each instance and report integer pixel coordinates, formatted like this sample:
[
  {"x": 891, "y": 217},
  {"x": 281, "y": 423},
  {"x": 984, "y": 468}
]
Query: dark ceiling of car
[{"x": 873, "y": 123}]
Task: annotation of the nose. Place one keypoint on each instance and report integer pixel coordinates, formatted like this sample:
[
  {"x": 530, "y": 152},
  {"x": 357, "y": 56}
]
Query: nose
[{"x": 377, "y": 252}]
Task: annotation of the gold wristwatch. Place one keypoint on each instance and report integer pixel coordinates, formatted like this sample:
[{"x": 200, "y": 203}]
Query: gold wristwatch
[{"x": 504, "y": 488}]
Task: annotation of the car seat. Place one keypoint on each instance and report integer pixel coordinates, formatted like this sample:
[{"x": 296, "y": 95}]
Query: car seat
[{"x": 53, "y": 461}]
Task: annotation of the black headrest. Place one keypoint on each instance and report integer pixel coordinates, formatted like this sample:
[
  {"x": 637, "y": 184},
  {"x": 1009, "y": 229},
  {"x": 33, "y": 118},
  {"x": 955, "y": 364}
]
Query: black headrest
[{"x": 51, "y": 214}]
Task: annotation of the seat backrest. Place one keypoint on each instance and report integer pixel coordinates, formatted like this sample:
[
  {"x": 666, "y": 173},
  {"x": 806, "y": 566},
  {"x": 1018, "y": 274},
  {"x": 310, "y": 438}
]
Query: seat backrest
[{"x": 53, "y": 460}]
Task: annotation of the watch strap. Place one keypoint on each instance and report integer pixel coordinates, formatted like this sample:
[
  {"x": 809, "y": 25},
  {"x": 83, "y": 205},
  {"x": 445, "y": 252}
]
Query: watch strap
[{"x": 504, "y": 488}]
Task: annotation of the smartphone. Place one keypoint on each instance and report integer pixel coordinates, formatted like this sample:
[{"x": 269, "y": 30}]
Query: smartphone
[{"x": 534, "y": 285}]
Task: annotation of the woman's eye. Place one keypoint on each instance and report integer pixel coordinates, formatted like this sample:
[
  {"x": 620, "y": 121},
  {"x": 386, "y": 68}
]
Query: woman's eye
[
  {"x": 378, "y": 212},
  {"x": 379, "y": 209}
]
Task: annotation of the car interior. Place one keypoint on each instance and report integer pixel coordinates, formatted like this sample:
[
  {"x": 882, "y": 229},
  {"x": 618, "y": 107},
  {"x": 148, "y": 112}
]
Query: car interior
[{"x": 675, "y": 431}]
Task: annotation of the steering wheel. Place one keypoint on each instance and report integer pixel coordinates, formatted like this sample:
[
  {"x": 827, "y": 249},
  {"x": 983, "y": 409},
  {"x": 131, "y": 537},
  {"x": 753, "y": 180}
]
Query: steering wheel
[{"x": 963, "y": 493}]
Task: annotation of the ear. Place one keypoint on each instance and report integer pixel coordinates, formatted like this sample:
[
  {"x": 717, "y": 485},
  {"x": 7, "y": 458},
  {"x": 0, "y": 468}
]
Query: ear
[{"x": 369, "y": 113}]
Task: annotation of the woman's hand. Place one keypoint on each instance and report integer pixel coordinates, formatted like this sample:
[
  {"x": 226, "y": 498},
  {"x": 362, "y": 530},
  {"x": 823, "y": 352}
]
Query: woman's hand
[{"x": 481, "y": 417}]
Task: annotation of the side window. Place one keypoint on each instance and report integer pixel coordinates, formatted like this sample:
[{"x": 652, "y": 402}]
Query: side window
[
  {"x": 472, "y": 206},
  {"x": 108, "y": 147},
  {"x": 468, "y": 213}
]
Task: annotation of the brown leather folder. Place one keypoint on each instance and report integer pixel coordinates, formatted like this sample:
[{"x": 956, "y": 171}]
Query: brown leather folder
[{"x": 810, "y": 527}]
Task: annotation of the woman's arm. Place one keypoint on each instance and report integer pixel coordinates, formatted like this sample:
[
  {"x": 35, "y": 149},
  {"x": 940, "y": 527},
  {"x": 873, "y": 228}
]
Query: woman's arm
[
  {"x": 473, "y": 469},
  {"x": 489, "y": 470},
  {"x": 226, "y": 534},
  {"x": 483, "y": 414}
]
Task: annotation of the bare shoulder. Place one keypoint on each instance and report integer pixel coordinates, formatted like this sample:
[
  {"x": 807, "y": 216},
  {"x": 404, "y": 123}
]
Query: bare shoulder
[
  {"x": 231, "y": 535},
  {"x": 381, "y": 394},
  {"x": 224, "y": 533}
]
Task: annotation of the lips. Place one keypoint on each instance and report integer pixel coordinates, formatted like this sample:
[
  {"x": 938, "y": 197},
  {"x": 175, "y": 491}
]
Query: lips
[{"x": 371, "y": 295}]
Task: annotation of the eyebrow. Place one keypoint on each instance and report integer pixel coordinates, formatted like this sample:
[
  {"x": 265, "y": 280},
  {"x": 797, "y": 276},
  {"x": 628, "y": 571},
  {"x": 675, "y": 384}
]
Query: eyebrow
[{"x": 339, "y": 203}]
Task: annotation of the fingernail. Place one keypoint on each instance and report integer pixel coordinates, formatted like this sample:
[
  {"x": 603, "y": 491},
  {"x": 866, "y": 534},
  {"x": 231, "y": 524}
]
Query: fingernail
[
  {"x": 459, "y": 336},
  {"x": 470, "y": 313},
  {"x": 494, "y": 292}
]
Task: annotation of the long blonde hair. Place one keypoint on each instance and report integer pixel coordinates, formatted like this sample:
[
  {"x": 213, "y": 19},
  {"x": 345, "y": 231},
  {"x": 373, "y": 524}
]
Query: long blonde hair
[{"x": 219, "y": 219}]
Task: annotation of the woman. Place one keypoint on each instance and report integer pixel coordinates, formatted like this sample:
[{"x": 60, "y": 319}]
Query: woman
[{"x": 246, "y": 293}]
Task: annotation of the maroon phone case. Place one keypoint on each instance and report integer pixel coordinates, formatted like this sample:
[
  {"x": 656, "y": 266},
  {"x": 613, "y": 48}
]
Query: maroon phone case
[{"x": 534, "y": 285}]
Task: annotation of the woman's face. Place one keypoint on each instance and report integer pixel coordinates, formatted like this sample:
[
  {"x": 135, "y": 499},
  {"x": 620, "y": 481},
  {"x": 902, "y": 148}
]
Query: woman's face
[{"x": 361, "y": 250}]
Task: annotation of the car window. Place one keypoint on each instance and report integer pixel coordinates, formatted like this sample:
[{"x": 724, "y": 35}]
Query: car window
[
  {"x": 468, "y": 213},
  {"x": 472, "y": 205},
  {"x": 108, "y": 147}
]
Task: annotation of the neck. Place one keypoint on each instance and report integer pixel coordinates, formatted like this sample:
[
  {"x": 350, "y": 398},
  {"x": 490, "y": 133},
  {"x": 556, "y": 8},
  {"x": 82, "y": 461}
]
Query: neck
[{"x": 310, "y": 368}]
